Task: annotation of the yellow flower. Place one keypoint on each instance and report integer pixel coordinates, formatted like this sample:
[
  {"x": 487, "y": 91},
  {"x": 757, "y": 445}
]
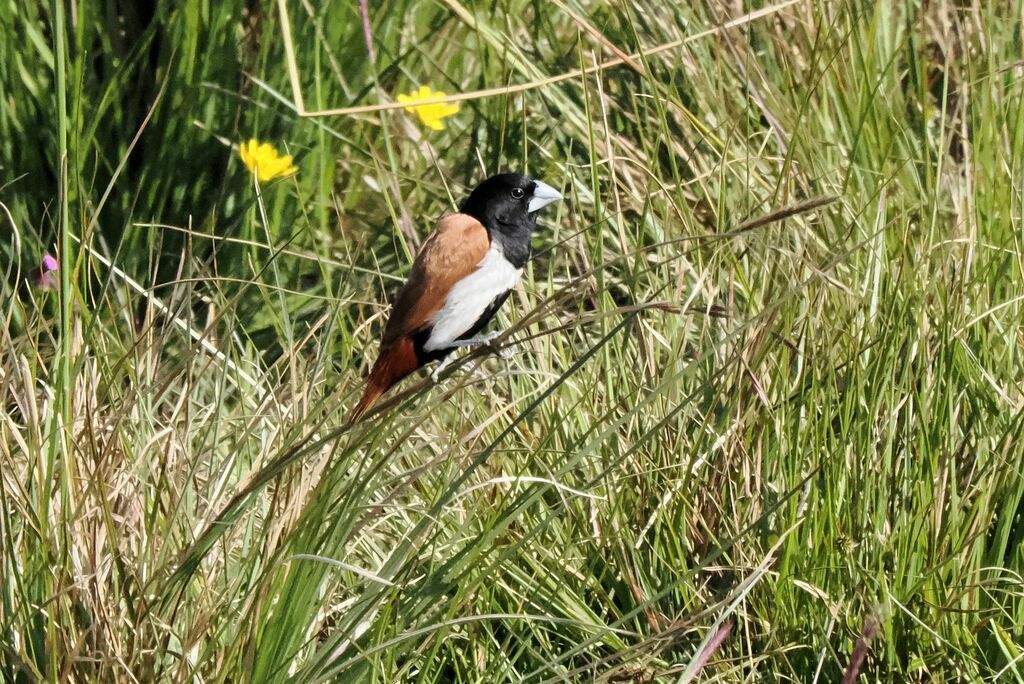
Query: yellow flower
[
  {"x": 430, "y": 114},
  {"x": 264, "y": 161}
]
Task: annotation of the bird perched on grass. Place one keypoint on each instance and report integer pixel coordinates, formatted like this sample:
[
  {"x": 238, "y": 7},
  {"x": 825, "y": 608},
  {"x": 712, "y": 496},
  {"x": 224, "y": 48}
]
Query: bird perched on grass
[{"x": 463, "y": 273}]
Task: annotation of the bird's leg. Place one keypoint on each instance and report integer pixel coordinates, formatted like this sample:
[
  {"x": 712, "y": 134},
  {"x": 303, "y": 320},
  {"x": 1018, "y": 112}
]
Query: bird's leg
[
  {"x": 505, "y": 352},
  {"x": 473, "y": 341},
  {"x": 486, "y": 338},
  {"x": 445, "y": 362}
]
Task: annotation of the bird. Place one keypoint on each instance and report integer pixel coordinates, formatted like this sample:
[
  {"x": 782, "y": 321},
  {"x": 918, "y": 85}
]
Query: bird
[{"x": 460, "y": 277}]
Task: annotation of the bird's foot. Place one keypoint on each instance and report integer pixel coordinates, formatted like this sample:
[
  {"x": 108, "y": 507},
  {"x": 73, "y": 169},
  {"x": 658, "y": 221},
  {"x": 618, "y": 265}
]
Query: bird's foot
[
  {"x": 436, "y": 374},
  {"x": 505, "y": 352},
  {"x": 486, "y": 338}
]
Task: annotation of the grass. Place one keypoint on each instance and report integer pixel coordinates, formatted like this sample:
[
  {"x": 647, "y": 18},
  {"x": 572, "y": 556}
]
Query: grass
[{"x": 747, "y": 435}]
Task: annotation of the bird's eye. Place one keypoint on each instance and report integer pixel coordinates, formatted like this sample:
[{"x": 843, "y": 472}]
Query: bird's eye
[{"x": 517, "y": 193}]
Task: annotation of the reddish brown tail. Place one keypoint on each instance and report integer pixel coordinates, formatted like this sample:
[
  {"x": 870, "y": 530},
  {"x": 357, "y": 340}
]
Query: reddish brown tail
[{"x": 393, "y": 364}]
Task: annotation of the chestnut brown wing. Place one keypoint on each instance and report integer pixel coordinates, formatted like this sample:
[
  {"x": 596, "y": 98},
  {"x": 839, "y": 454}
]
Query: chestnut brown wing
[{"x": 452, "y": 252}]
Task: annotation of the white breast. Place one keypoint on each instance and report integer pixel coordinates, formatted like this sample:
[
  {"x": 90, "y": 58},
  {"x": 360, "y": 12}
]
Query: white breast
[{"x": 470, "y": 297}]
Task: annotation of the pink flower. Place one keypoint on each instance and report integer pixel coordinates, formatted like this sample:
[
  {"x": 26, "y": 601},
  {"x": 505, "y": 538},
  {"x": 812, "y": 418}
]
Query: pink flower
[{"x": 42, "y": 276}]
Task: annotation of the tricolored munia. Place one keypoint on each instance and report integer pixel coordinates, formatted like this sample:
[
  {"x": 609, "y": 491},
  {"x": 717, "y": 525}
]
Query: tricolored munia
[{"x": 461, "y": 276}]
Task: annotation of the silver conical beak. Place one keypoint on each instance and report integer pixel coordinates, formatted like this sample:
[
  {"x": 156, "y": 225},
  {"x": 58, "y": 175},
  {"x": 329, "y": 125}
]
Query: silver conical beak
[{"x": 543, "y": 195}]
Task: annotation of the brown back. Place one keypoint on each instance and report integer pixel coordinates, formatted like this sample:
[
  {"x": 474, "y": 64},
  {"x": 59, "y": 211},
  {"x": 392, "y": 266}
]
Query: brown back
[{"x": 452, "y": 252}]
